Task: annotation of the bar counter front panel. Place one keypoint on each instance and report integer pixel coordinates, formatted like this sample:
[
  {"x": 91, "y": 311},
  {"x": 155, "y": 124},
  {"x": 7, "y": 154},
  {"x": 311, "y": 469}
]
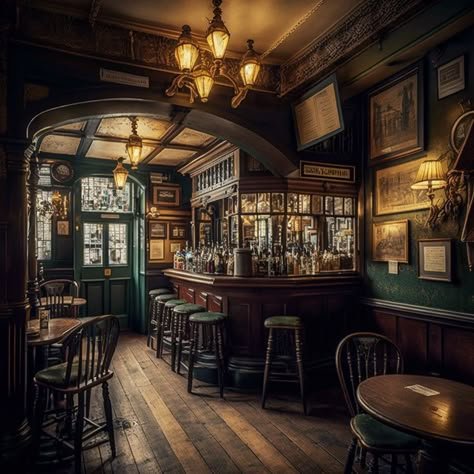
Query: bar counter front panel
[{"x": 328, "y": 305}]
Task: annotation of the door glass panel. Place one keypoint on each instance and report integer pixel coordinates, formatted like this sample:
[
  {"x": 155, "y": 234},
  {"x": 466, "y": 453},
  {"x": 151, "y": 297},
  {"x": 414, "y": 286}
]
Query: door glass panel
[
  {"x": 118, "y": 244},
  {"x": 101, "y": 195},
  {"x": 93, "y": 244},
  {"x": 43, "y": 225}
]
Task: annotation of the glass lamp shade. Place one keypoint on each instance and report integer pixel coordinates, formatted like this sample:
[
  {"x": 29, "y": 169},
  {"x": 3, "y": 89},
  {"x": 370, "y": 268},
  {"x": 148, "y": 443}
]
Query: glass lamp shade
[
  {"x": 120, "y": 174},
  {"x": 186, "y": 51},
  {"x": 204, "y": 82},
  {"x": 249, "y": 66},
  {"x": 217, "y": 40},
  {"x": 430, "y": 176},
  {"x": 134, "y": 150}
]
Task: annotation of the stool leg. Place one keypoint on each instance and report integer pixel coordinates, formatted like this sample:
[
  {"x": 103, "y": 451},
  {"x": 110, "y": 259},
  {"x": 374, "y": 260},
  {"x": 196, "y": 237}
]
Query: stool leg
[
  {"x": 78, "y": 433},
  {"x": 159, "y": 348},
  {"x": 159, "y": 324},
  {"x": 150, "y": 316},
  {"x": 174, "y": 329},
  {"x": 192, "y": 352},
  {"x": 267, "y": 366},
  {"x": 220, "y": 358},
  {"x": 179, "y": 345},
  {"x": 299, "y": 363}
]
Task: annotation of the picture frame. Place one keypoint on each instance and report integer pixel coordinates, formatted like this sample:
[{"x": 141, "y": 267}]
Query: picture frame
[
  {"x": 392, "y": 189},
  {"x": 396, "y": 116},
  {"x": 62, "y": 228},
  {"x": 166, "y": 195},
  {"x": 177, "y": 231},
  {"x": 390, "y": 241},
  {"x": 157, "y": 230},
  {"x": 174, "y": 247},
  {"x": 451, "y": 77},
  {"x": 157, "y": 250},
  {"x": 435, "y": 259}
]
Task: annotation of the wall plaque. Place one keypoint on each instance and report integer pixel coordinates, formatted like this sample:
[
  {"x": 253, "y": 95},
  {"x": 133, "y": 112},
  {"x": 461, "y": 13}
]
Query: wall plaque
[{"x": 327, "y": 172}]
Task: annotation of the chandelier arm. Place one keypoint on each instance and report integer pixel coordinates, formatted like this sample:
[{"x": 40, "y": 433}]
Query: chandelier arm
[
  {"x": 178, "y": 82},
  {"x": 237, "y": 88},
  {"x": 239, "y": 97}
]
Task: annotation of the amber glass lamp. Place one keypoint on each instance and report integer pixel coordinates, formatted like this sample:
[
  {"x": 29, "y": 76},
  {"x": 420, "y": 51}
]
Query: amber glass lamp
[
  {"x": 204, "y": 82},
  {"x": 217, "y": 34},
  {"x": 250, "y": 65},
  {"x": 120, "y": 174},
  {"x": 134, "y": 146},
  {"x": 187, "y": 50},
  {"x": 430, "y": 176}
]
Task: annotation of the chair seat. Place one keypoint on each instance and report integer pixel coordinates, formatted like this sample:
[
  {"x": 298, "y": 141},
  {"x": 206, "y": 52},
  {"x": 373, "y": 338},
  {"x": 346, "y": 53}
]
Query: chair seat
[
  {"x": 167, "y": 297},
  {"x": 285, "y": 321},
  {"x": 173, "y": 303},
  {"x": 55, "y": 376},
  {"x": 378, "y": 435},
  {"x": 189, "y": 308},
  {"x": 159, "y": 291},
  {"x": 207, "y": 317}
]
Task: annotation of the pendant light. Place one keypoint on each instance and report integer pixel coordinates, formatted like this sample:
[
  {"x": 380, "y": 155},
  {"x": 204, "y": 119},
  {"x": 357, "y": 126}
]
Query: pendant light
[
  {"x": 217, "y": 34},
  {"x": 120, "y": 174},
  {"x": 134, "y": 146},
  {"x": 204, "y": 82},
  {"x": 187, "y": 50},
  {"x": 250, "y": 65}
]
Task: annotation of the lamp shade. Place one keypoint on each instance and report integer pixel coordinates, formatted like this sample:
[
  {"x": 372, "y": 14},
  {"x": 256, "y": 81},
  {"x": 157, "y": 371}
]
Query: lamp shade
[
  {"x": 134, "y": 146},
  {"x": 430, "y": 176},
  {"x": 204, "y": 82},
  {"x": 120, "y": 174},
  {"x": 186, "y": 51},
  {"x": 217, "y": 34},
  {"x": 250, "y": 65}
]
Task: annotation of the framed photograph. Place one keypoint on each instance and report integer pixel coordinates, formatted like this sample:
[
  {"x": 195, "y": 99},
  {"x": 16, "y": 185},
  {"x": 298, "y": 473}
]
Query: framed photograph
[
  {"x": 390, "y": 241},
  {"x": 157, "y": 230},
  {"x": 157, "y": 250},
  {"x": 396, "y": 117},
  {"x": 392, "y": 189},
  {"x": 63, "y": 227},
  {"x": 434, "y": 259},
  {"x": 168, "y": 195},
  {"x": 451, "y": 77},
  {"x": 175, "y": 247},
  {"x": 177, "y": 231}
]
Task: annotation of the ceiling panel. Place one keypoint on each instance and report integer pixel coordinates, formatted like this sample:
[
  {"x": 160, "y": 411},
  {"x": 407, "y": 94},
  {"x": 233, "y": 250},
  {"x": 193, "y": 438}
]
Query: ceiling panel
[
  {"x": 171, "y": 156},
  {"x": 121, "y": 127},
  {"x": 192, "y": 138},
  {"x": 76, "y": 126},
  {"x": 107, "y": 150},
  {"x": 60, "y": 144}
]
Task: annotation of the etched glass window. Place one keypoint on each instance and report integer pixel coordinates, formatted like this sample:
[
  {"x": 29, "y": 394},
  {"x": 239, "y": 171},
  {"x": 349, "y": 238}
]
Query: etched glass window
[
  {"x": 93, "y": 244},
  {"x": 43, "y": 225},
  {"x": 101, "y": 195},
  {"x": 118, "y": 244}
]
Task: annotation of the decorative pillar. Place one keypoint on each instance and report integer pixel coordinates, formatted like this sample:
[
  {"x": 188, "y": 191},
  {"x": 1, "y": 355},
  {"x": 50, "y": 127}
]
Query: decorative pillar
[
  {"x": 33, "y": 180},
  {"x": 15, "y": 433}
]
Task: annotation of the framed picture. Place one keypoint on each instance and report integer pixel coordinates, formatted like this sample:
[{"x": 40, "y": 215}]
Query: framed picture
[
  {"x": 434, "y": 259},
  {"x": 63, "y": 227},
  {"x": 177, "y": 231},
  {"x": 175, "y": 247},
  {"x": 396, "y": 117},
  {"x": 392, "y": 189},
  {"x": 157, "y": 249},
  {"x": 168, "y": 195},
  {"x": 451, "y": 77},
  {"x": 390, "y": 241},
  {"x": 157, "y": 230}
]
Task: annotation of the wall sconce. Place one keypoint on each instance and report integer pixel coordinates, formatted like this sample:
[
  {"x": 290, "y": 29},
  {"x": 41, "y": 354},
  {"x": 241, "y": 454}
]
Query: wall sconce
[{"x": 431, "y": 177}]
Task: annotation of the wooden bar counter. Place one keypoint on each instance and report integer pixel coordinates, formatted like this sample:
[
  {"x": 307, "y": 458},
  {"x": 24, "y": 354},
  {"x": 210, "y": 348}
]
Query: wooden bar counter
[{"x": 327, "y": 303}]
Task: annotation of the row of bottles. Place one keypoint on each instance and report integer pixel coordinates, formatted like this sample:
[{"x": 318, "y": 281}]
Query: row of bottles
[{"x": 213, "y": 259}]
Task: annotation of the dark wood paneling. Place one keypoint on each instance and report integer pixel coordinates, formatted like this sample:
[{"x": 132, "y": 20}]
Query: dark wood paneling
[
  {"x": 94, "y": 293},
  {"x": 458, "y": 352},
  {"x": 385, "y": 324},
  {"x": 435, "y": 347},
  {"x": 201, "y": 298},
  {"x": 240, "y": 327},
  {"x": 187, "y": 293},
  {"x": 413, "y": 342},
  {"x": 119, "y": 297},
  {"x": 214, "y": 303}
]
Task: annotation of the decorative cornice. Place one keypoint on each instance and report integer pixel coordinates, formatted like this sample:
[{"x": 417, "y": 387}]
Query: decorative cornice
[{"x": 361, "y": 28}]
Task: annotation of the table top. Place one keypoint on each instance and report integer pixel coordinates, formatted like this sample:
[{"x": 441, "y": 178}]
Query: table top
[
  {"x": 58, "y": 329},
  {"x": 67, "y": 301},
  {"x": 444, "y": 410}
]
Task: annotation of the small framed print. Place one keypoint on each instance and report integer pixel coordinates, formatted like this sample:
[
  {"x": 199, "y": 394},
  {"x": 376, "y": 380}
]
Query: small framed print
[
  {"x": 157, "y": 250},
  {"x": 63, "y": 227},
  {"x": 175, "y": 247},
  {"x": 157, "y": 230},
  {"x": 167, "y": 195},
  {"x": 434, "y": 259},
  {"x": 390, "y": 241},
  {"x": 177, "y": 231},
  {"x": 451, "y": 77}
]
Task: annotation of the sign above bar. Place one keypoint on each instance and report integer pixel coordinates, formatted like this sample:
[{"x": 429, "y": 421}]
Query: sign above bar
[
  {"x": 119, "y": 77},
  {"x": 327, "y": 172}
]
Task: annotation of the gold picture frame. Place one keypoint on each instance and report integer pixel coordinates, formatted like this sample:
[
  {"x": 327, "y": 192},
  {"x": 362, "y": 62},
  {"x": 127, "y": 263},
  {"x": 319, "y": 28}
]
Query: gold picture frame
[
  {"x": 390, "y": 241},
  {"x": 157, "y": 250},
  {"x": 166, "y": 195}
]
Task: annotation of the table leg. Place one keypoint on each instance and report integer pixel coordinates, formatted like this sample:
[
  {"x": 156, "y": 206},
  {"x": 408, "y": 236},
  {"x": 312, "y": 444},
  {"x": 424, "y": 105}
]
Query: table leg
[{"x": 432, "y": 458}]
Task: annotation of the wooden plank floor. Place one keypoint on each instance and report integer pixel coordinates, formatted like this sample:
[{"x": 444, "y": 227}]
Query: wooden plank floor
[{"x": 159, "y": 427}]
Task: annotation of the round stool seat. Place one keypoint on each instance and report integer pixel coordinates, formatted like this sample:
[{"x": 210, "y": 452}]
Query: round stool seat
[
  {"x": 165, "y": 298},
  {"x": 159, "y": 291},
  {"x": 283, "y": 321},
  {"x": 208, "y": 317},
  {"x": 189, "y": 308},
  {"x": 170, "y": 304}
]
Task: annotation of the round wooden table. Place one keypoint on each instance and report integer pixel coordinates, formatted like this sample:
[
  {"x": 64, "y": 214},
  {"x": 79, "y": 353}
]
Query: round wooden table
[
  {"x": 439, "y": 411},
  {"x": 75, "y": 304},
  {"x": 58, "y": 329}
]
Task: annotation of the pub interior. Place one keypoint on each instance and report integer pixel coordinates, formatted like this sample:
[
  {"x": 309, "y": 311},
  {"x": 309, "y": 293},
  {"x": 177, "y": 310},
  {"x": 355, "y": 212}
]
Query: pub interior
[{"x": 232, "y": 255}]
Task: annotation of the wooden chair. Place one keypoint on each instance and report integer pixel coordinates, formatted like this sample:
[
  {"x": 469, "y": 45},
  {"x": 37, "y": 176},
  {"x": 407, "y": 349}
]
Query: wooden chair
[
  {"x": 54, "y": 291},
  {"x": 88, "y": 352},
  {"x": 360, "y": 356}
]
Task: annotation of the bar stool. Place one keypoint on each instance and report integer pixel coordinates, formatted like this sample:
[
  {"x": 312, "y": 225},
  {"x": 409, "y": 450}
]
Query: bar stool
[
  {"x": 292, "y": 326},
  {"x": 167, "y": 329},
  {"x": 152, "y": 294},
  {"x": 157, "y": 318},
  {"x": 215, "y": 323},
  {"x": 181, "y": 330}
]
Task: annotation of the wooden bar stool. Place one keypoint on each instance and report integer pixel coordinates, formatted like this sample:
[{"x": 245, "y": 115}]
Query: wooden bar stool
[
  {"x": 181, "y": 328},
  {"x": 168, "y": 334},
  {"x": 215, "y": 322},
  {"x": 152, "y": 294},
  {"x": 156, "y": 332},
  {"x": 292, "y": 326}
]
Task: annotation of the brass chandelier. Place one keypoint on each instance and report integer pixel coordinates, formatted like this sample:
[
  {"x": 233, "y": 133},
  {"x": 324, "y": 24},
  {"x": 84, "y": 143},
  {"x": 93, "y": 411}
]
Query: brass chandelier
[{"x": 200, "y": 79}]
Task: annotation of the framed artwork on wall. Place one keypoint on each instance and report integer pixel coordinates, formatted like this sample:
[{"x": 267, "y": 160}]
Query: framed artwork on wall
[
  {"x": 177, "y": 231},
  {"x": 175, "y": 247},
  {"x": 396, "y": 117},
  {"x": 392, "y": 189},
  {"x": 390, "y": 241},
  {"x": 167, "y": 195},
  {"x": 451, "y": 77},
  {"x": 63, "y": 227},
  {"x": 157, "y": 230},
  {"x": 434, "y": 259},
  {"x": 157, "y": 250}
]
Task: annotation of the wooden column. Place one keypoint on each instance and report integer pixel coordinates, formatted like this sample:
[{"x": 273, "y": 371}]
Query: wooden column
[{"x": 15, "y": 433}]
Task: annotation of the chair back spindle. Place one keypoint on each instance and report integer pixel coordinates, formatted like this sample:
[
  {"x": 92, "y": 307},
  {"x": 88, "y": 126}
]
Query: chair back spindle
[{"x": 54, "y": 291}]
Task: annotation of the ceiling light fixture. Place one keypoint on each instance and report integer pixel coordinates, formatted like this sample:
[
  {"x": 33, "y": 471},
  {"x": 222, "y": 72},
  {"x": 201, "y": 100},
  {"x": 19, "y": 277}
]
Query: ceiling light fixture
[
  {"x": 120, "y": 174},
  {"x": 200, "y": 79},
  {"x": 134, "y": 145}
]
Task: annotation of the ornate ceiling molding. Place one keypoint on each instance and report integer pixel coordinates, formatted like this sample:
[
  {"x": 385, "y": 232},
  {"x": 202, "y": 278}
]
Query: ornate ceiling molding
[{"x": 361, "y": 28}]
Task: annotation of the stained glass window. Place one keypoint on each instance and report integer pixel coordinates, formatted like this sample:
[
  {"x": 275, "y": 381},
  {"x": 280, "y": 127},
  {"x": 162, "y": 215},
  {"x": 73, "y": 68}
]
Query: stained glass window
[
  {"x": 101, "y": 195},
  {"x": 43, "y": 226},
  {"x": 93, "y": 244},
  {"x": 118, "y": 244}
]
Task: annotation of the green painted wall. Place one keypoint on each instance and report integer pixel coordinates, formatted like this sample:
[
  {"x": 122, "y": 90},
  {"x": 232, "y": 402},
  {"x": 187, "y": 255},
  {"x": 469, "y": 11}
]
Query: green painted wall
[{"x": 439, "y": 117}]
